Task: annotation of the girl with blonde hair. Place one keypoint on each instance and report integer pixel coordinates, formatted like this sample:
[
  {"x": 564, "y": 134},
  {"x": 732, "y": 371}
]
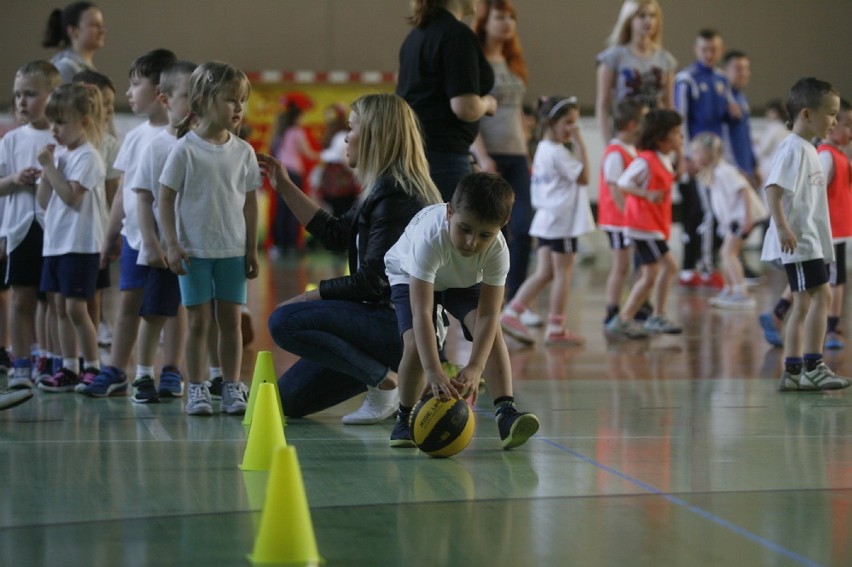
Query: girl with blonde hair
[{"x": 345, "y": 330}]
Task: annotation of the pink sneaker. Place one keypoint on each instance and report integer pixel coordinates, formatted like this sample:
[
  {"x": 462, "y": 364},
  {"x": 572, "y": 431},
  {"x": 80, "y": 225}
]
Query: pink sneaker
[
  {"x": 563, "y": 337},
  {"x": 513, "y": 327},
  {"x": 63, "y": 381}
]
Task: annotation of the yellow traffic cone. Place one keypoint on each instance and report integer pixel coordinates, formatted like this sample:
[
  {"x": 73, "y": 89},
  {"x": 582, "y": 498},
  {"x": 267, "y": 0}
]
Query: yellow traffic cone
[
  {"x": 264, "y": 373},
  {"x": 266, "y": 434},
  {"x": 255, "y": 484},
  {"x": 286, "y": 534}
]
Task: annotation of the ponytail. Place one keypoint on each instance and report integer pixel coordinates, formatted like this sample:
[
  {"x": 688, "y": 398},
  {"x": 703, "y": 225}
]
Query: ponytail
[{"x": 185, "y": 125}]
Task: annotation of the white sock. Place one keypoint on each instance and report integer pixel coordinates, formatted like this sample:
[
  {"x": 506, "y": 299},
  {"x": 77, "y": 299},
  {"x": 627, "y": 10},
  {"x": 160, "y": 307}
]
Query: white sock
[
  {"x": 144, "y": 371},
  {"x": 72, "y": 364},
  {"x": 215, "y": 372},
  {"x": 92, "y": 364}
]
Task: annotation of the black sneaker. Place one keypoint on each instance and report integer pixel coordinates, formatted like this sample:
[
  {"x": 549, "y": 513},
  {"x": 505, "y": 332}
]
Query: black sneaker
[
  {"x": 401, "y": 434},
  {"x": 515, "y": 427},
  {"x": 144, "y": 391},
  {"x": 214, "y": 386},
  {"x": 644, "y": 312}
]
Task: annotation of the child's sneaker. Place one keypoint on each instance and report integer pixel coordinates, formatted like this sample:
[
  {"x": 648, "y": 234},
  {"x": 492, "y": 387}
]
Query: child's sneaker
[
  {"x": 713, "y": 280},
  {"x": 21, "y": 377},
  {"x": 234, "y": 398},
  {"x": 734, "y": 301},
  {"x": 171, "y": 382},
  {"x": 822, "y": 378},
  {"x": 401, "y": 435},
  {"x": 689, "y": 278},
  {"x": 789, "y": 382},
  {"x": 515, "y": 427},
  {"x": 198, "y": 400},
  {"x": 645, "y": 311},
  {"x": 87, "y": 378},
  {"x": 620, "y": 328},
  {"x": 659, "y": 324},
  {"x": 563, "y": 337},
  {"x": 770, "y": 331},
  {"x": 513, "y": 327},
  {"x": 41, "y": 369},
  {"x": 719, "y": 298},
  {"x": 110, "y": 380},
  {"x": 62, "y": 381},
  {"x": 378, "y": 406},
  {"x": 531, "y": 319},
  {"x": 214, "y": 386},
  {"x": 5, "y": 360},
  {"x": 833, "y": 341},
  {"x": 144, "y": 391},
  {"x": 12, "y": 398}
]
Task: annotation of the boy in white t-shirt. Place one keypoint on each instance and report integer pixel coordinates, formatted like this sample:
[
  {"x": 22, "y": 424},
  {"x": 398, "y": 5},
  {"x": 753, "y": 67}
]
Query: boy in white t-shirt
[
  {"x": 799, "y": 235},
  {"x": 455, "y": 255}
]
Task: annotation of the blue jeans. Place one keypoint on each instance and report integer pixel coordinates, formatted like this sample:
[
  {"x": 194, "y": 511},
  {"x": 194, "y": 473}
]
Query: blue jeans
[
  {"x": 516, "y": 170},
  {"x": 344, "y": 346},
  {"x": 446, "y": 170}
]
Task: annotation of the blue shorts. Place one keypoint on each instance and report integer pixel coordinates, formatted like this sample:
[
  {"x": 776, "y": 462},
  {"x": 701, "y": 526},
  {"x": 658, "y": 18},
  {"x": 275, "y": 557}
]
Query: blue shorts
[
  {"x": 650, "y": 251},
  {"x": 71, "y": 275},
  {"x": 560, "y": 245},
  {"x": 25, "y": 261},
  {"x": 214, "y": 278},
  {"x": 161, "y": 295},
  {"x": 458, "y": 302},
  {"x": 131, "y": 275}
]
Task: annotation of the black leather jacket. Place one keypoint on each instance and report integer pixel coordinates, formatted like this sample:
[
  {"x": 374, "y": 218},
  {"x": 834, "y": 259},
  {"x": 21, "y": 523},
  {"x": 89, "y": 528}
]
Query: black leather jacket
[{"x": 367, "y": 231}]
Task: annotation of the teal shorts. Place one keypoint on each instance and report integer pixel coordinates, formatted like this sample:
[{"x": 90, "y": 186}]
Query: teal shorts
[{"x": 214, "y": 278}]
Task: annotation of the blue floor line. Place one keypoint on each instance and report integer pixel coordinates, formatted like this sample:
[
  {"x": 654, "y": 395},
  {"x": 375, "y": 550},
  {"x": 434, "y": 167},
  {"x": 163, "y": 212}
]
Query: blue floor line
[{"x": 771, "y": 545}]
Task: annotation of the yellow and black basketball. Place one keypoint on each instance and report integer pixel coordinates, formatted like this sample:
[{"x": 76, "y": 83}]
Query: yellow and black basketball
[{"x": 441, "y": 428}]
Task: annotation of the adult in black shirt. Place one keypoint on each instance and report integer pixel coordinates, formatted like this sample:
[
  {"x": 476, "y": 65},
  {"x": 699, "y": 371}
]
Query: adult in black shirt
[{"x": 445, "y": 77}]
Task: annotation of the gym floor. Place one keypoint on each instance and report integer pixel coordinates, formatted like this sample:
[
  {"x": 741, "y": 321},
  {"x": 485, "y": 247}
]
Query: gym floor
[{"x": 676, "y": 450}]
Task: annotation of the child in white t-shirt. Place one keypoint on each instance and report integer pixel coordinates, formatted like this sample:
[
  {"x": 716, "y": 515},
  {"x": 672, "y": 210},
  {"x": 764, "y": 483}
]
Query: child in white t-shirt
[
  {"x": 454, "y": 255},
  {"x": 563, "y": 213},
  {"x": 799, "y": 235},
  {"x": 736, "y": 208},
  {"x": 71, "y": 191},
  {"x": 23, "y": 220},
  {"x": 208, "y": 217}
]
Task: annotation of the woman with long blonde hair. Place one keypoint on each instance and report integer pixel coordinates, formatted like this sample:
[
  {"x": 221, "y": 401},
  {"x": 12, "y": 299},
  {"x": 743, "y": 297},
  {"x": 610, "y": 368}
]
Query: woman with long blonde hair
[{"x": 345, "y": 330}]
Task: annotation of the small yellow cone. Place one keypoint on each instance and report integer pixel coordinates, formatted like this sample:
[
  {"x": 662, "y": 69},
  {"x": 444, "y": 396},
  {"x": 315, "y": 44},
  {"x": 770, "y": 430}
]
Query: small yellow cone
[
  {"x": 255, "y": 484},
  {"x": 264, "y": 373},
  {"x": 286, "y": 534},
  {"x": 266, "y": 434}
]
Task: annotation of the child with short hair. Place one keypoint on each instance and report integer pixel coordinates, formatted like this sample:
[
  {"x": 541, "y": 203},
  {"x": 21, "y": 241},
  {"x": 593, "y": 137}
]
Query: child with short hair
[
  {"x": 143, "y": 97},
  {"x": 161, "y": 310},
  {"x": 71, "y": 190},
  {"x": 648, "y": 221},
  {"x": 22, "y": 220},
  {"x": 736, "y": 208},
  {"x": 799, "y": 235},
  {"x": 563, "y": 213},
  {"x": 455, "y": 255},
  {"x": 838, "y": 178},
  {"x": 208, "y": 217},
  {"x": 617, "y": 156}
]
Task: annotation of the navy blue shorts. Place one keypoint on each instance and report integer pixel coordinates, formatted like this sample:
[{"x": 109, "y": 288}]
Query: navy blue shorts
[
  {"x": 25, "y": 261},
  {"x": 458, "y": 302},
  {"x": 837, "y": 269},
  {"x": 806, "y": 275},
  {"x": 617, "y": 240},
  {"x": 650, "y": 251},
  {"x": 161, "y": 294},
  {"x": 71, "y": 275},
  {"x": 560, "y": 245},
  {"x": 131, "y": 275}
]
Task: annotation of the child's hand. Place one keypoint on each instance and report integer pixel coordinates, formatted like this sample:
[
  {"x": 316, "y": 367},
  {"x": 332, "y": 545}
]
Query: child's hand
[
  {"x": 467, "y": 383},
  {"x": 45, "y": 156},
  {"x": 178, "y": 260},
  {"x": 156, "y": 257},
  {"x": 252, "y": 268},
  {"x": 27, "y": 176},
  {"x": 110, "y": 251},
  {"x": 654, "y": 196},
  {"x": 787, "y": 239},
  {"x": 440, "y": 385}
]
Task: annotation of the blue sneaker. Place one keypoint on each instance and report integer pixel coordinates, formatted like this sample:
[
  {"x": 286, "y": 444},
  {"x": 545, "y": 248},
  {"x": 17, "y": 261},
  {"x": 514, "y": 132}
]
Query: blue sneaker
[
  {"x": 109, "y": 382},
  {"x": 770, "y": 333},
  {"x": 833, "y": 341},
  {"x": 171, "y": 382}
]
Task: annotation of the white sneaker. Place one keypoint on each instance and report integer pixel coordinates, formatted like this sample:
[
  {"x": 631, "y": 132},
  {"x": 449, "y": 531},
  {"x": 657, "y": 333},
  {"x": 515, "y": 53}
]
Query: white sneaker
[
  {"x": 198, "y": 400},
  {"x": 234, "y": 398},
  {"x": 531, "y": 319},
  {"x": 378, "y": 406}
]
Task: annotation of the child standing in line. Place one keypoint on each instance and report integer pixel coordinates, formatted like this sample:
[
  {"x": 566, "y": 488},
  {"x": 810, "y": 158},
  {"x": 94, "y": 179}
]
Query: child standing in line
[
  {"x": 161, "y": 309},
  {"x": 617, "y": 156},
  {"x": 71, "y": 190},
  {"x": 143, "y": 97},
  {"x": 208, "y": 216},
  {"x": 23, "y": 221},
  {"x": 648, "y": 221},
  {"x": 736, "y": 208},
  {"x": 838, "y": 178},
  {"x": 562, "y": 214},
  {"x": 455, "y": 255},
  {"x": 799, "y": 235}
]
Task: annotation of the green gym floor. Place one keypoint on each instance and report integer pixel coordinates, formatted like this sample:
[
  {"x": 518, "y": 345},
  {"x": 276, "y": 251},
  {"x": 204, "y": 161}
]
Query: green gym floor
[{"x": 676, "y": 450}]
